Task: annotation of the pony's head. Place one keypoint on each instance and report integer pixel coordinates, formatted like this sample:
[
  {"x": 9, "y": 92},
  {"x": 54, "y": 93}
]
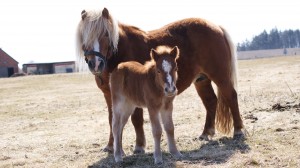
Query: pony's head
[
  {"x": 97, "y": 39},
  {"x": 166, "y": 68}
]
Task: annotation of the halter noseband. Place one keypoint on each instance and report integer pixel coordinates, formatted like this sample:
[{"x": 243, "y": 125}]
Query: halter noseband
[{"x": 92, "y": 52}]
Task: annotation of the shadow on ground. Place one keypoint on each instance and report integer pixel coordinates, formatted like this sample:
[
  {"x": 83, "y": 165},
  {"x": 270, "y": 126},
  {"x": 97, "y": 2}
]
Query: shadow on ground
[{"x": 212, "y": 153}]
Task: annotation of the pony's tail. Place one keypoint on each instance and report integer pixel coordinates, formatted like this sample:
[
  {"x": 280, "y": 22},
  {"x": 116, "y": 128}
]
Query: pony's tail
[{"x": 224, "y": 120}]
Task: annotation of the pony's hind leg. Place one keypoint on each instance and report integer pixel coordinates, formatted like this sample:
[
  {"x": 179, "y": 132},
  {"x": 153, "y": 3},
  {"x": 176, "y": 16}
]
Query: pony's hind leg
[
  {"x": 137, "y": 120},
  {"x": 156, "y": 132},
  {"x": 228, "y": 97},
  {"x": 167, "y": 120},
  {"x": 205, "y": 91}
]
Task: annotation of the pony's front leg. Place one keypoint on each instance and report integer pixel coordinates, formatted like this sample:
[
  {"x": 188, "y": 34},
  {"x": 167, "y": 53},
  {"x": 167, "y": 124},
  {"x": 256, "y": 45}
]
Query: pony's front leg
[
  {"x": 103, "y": 85},
  {"x": 167, "y": 120},
  {"x": 156, "y": 131},
  {"x": 137, "y": 120}
]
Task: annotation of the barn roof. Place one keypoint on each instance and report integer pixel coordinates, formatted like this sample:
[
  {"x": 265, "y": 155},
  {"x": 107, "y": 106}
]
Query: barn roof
[{"x": 4, "y": 54}]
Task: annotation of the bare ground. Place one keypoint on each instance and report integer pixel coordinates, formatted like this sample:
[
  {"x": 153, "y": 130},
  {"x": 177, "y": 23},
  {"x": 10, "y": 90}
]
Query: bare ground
[{"x": 61, "y": 121}]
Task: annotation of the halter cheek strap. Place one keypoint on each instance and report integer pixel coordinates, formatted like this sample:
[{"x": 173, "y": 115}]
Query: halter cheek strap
[{"x": 92, "y": 52}]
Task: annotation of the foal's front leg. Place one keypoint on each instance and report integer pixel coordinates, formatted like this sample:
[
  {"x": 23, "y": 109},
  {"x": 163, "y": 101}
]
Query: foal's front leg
[
  {"x": 167, "y": 120},
  {"x": 120, "y": 118},
  {"x": 137, "y": 117},
  {"x": 156, "y": 131},
  {"x": 117, "y": 132}
]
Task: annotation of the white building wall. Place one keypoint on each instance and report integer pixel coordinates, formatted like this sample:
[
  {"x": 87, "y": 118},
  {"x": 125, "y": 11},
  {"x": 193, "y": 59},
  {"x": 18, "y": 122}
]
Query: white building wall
[
  {"x": 31, "y": 69},
  {"x": 64, "y": 68}
]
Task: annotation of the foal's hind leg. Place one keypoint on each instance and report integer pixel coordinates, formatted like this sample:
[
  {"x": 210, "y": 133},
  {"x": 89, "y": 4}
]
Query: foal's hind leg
[{"x": 209, "y": 99}]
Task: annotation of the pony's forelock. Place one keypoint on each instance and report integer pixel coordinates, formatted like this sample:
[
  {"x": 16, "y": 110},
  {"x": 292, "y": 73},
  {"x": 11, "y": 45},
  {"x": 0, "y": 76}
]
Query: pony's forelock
[{"x": 92, "y": 28}]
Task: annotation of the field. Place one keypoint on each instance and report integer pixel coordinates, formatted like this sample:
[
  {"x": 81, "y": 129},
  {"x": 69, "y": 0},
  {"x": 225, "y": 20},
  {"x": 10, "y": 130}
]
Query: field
[{"x": 61, "y": 121}]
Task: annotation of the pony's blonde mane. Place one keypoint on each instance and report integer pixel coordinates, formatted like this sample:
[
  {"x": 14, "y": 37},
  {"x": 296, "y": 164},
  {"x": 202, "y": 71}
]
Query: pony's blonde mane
[{"x": 92, "y": 28}]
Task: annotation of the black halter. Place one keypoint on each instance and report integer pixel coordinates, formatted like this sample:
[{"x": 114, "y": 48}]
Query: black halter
[{"x": 92, "y": 52}]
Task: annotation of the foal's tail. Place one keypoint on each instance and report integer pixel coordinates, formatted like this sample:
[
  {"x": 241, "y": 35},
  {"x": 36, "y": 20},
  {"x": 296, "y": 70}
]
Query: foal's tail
[{"x": 224, "y": 120}]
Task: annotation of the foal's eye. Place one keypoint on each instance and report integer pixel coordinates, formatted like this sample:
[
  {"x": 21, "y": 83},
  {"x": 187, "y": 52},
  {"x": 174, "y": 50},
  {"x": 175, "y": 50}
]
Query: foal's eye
[
  {"x": 175, "y": 69},
  {"x": 158, "y": 71}
]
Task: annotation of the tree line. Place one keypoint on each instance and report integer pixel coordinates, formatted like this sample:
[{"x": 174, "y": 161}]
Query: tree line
[{"x": 273, "y": 40}]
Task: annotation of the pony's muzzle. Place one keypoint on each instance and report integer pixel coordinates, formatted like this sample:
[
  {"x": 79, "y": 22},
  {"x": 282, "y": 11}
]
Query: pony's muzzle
[
  {"x": 96, "y": 65},
  {"x": 100, "y": 64}
]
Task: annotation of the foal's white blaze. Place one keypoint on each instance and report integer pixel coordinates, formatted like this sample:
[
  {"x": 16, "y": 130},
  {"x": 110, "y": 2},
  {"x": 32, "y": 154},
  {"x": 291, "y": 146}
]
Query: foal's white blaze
[
  {"x": 167, "y": 68},
  {"x": 97, "y": 48}
]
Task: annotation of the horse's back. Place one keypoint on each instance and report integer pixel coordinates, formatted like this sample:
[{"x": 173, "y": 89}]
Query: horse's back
[
  {"x": 203, "y": 48},
  {"x": 131, "y": 66},
  {"x": 187, "y": 26}
]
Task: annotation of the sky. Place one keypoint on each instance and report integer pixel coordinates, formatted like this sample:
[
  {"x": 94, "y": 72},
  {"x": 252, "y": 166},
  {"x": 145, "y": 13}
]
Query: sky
[{"x": 44, "y": 30}]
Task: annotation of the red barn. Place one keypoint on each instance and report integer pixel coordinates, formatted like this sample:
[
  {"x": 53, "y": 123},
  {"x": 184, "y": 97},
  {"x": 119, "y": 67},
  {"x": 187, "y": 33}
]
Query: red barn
[{"x": 8, "y": 65}]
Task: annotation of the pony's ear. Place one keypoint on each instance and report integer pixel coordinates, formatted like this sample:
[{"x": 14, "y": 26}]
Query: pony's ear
[
  {"x": 154, "y": 55},
  {"x": 105, "y": 13},
  {"x": 83, "y": 14},
  {"x": 175, "y": 52}
]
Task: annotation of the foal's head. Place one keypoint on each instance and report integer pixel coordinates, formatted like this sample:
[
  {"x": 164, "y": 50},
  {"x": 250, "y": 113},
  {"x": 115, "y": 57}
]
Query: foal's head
[{"x": 166, "y": 68}]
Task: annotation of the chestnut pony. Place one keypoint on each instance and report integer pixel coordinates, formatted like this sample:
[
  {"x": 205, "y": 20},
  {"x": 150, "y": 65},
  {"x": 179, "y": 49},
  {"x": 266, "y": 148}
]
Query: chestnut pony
[
  {"x": 207, "y": 55},
  {"x": 152, "y": 85}
]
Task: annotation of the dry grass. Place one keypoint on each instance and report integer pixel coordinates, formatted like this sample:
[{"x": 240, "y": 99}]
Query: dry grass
[{"x": 61, "y": 121}]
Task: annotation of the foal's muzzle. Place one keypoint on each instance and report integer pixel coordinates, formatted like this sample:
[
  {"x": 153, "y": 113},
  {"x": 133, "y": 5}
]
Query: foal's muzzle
[{"x": 170, "y": 91}]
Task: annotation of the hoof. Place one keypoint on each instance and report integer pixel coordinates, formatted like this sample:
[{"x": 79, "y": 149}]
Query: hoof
[
  {"x": 118, "y": 159},
  {"x": 158, "y": 161},
  {"x": 204, "y": 138},
  {"x": 108, "y": 149},
  {"x": 139, "y": 150},
  {"x": 207, "y": 134},
  {"x": 239, "y": 136},
  {"x": 177, "y": 155}
]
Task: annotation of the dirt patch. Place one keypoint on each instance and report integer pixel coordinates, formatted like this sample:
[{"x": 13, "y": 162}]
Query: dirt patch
[{"x": 284, "y": 107}]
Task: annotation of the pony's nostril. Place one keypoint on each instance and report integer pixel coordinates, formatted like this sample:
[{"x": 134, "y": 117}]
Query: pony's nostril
[
  {"x": 166, "y": 89},
  {"x": 90, "y": 64},
  {"x": 101, "y": 65}
]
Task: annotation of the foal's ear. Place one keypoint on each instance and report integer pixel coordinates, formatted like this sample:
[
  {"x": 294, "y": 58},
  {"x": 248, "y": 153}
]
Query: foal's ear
[
  {"x": 175, "y": 52},
  {"x": 154, "y": 55},
  {"x": 83, "y": 14},
  {"x": 105, "y": 13}
]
